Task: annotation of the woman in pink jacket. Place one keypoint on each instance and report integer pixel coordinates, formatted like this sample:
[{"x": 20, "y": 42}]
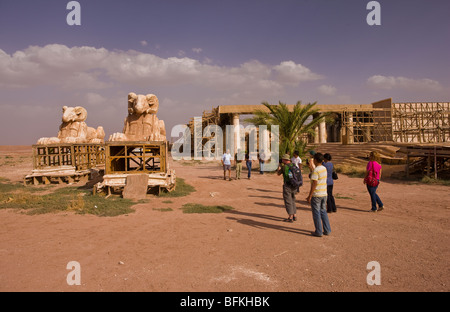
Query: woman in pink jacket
[{"x": 373, "y": 169}]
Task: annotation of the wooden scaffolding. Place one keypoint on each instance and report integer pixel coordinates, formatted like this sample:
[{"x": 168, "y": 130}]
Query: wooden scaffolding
[
  {"x": 208, "y": 118},
  {"x": 366, "y": 125},
  {"x": 65, "y": 162},
  {"x": 136, "y": 157},
  {"x": 131, "y": 158},
  {"x": 421, "y": 122}
]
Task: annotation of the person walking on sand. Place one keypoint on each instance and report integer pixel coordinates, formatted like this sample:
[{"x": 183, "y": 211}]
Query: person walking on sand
[
  {"x": 248, "y": 163},
  {"x": 331, "y": 205},
  {"x": 372, "y": 180},
  {"x": 238, "y": 157},
  {"x": 288, "y": 190},
  {"x": 226, "y": 162},
  {"x": 318, "y": 198}
]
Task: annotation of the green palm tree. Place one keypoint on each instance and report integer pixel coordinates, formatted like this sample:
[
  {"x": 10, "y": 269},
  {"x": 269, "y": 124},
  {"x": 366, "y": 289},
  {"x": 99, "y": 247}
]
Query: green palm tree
[{"x": 293, "y": 125}]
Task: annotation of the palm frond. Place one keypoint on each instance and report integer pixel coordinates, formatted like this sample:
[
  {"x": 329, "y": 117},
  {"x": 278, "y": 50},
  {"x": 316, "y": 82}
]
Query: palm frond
[{"x": 302, "y": 120}]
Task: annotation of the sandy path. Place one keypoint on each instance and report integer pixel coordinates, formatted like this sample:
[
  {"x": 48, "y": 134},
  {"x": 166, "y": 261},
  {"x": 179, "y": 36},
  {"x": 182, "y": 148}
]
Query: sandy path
[{"x": 247, "y": 249}]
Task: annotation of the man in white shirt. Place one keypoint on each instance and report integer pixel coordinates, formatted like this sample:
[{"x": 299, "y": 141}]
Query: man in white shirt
[{"x": 226, "y": 162}]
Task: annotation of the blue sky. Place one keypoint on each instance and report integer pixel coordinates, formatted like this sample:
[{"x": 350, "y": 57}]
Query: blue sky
[{"x": 195, "y": 55}]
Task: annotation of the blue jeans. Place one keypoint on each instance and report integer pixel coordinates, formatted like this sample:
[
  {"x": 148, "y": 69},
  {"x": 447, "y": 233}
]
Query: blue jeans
[
  {"x": 374, "y": 198},
  {"x": 320, "y": 216},
  {"x": 249, "y": 167}
]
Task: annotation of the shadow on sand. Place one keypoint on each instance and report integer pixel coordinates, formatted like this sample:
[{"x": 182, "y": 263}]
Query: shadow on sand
[{"x": 262, "y": 225}]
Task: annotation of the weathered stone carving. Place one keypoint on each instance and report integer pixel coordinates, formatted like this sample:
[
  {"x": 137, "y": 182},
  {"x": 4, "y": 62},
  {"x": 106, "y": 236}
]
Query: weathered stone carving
[
  {"x": 141, "y": 124},
  {"x": 74, "y": 129}
]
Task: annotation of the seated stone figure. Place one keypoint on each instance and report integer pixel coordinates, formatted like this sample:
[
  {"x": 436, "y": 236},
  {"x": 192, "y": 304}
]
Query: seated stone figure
[
  {"x": 141, "y": 124},
  {"x": 74, "y": 129}
]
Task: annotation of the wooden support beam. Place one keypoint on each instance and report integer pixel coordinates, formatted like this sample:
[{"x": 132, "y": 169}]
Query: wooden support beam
[
  {"x": 435, "y": 164},
  {"x": 407, "y": 164}
]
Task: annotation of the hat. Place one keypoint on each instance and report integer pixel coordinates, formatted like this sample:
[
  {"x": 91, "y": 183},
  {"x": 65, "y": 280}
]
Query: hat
[
  {"x": 286, "y": 157},
  {"x": 312, "y": 153}
]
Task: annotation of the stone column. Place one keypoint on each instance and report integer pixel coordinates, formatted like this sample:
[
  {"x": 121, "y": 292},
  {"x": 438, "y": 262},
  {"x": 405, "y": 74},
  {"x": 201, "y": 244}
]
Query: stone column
[
  {"x": 350, "y": 137},
  {"x": 367, "y": 134},
  {"x": 237, "y": 138},
  {"x": 316, "y": 135},
  {"x": 323, "y": 132}
]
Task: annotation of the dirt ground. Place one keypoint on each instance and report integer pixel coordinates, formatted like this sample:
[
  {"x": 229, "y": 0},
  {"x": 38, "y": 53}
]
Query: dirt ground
[{"x": 248, "y": 249}]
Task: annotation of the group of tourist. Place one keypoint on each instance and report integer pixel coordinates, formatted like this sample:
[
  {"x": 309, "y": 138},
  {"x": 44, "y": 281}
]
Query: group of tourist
[
  {"x": 321, "y": 175},
  {"x": 320, "y": 168},
  {"x": 238, "y": 159}
]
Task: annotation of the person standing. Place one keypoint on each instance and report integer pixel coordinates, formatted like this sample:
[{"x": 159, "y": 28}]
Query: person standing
[
  {"x": 296, "y": 160},
  {"x": 310, "y": 162},
  {"x": 331, "y": 205},
  {"x": 226, "y": 162},
  {"x": 238, "y": 158},
  {"x": 318, "y": 197},
  {"x": 288, "y": 190},
  {"x": 261, "y": 158},
  {"x": 248, "y": 163},
  {"x": 374, "y": 169}
]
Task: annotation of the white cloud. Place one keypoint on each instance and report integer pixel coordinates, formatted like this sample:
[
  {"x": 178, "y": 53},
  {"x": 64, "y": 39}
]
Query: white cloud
[
  {"x": 291, "y": 73},
  {"x": 53, "y": 64},
  {"x": 142, "y": 69},
  {"x": 327, "y": 90},
  {"x": 197, "y": 50},
  {"x": 207, "y": 60},
  {"x": 84, "y": 80},
  {"x": 390, "y": 82},
  {"x": 144, "y": 43},
  {"x": 95, "y": 98},
  {"x": 98, "y": 68}
]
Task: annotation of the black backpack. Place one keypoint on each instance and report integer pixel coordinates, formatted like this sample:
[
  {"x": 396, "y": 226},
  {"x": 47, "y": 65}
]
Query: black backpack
[{"x": 295, "y": 178}]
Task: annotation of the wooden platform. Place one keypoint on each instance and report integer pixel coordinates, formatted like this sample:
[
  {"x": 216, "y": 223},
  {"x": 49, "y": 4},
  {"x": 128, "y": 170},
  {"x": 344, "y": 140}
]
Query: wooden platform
[
  {"x": 431, "y": 159},
  {"x": 57, "y": 175},
  {"x": 357, "y": 154},
  {"x": 65, "y": 162}
]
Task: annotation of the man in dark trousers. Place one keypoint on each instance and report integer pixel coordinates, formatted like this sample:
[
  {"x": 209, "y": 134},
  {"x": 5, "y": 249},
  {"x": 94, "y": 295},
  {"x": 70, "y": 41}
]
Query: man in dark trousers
[{"x": 288, "y": 190}]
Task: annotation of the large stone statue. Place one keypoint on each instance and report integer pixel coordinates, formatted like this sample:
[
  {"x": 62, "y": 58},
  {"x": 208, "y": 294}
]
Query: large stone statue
[
  {"x": 74, "y": 129},
  {"x": 141, "y": 124}
]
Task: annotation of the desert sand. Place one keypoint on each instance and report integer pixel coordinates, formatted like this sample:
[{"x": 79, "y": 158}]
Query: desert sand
[{"x": 248, "y": 249}]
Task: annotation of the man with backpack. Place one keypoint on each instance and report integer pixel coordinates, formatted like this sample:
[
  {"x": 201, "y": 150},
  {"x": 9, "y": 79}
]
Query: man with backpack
[{"x": 292, "y": 180}]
